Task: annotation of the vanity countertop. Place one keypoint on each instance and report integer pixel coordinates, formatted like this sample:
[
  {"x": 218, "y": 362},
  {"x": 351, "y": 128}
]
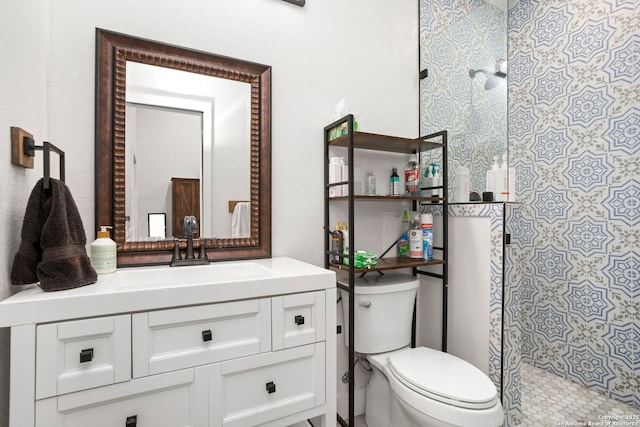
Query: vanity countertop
[{"x": 150, "y": 288}]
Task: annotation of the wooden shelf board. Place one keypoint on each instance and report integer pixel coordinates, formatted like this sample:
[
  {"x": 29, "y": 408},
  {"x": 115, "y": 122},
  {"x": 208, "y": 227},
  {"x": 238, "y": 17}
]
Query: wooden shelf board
[
  {"x": 391, "y": 198},
  {"x": 393, "y": 144}
]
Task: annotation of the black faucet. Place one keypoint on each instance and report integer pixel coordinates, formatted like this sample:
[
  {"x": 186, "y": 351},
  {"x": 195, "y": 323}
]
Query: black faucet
[{"x": 190, "y": 226}]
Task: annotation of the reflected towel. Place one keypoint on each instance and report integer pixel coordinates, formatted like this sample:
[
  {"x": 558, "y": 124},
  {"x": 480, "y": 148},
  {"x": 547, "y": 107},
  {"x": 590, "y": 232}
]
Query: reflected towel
[
  {"x": 52, "y": 251},
  {"x": 241, "y": 220}
]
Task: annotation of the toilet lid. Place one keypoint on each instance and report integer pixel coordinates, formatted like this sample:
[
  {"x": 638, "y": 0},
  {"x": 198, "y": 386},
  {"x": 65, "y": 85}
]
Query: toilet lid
[{"x": 443, "y": 377}]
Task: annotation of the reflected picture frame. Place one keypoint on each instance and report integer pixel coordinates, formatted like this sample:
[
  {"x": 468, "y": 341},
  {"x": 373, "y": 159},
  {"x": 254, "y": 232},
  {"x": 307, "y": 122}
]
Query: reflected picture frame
[{"x": 157, "y": 222}]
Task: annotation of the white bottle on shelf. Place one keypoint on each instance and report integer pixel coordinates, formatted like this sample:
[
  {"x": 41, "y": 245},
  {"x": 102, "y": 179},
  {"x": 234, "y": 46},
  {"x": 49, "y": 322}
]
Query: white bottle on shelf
[
  {"x": 344, "y": 177},
  {"x": 491, "y": 177},
  {"x": 335, "y": 175},
  {"x": 511, "y": 180},
  {"x": 501, "y": 193},
  {"x": 462, "y": 184},
  {"x": 370, "y": 184}
]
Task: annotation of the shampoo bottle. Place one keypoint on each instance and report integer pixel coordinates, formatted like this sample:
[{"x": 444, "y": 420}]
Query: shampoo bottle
[
  {"x": 394, "y": 183},
  {"x": 103, "y": 252},
  {"x": 501, "y": 192},
  {"x": 337, "y": 244},
  {"x": 511, "y": 180},
  {"x": 491, "y": 174},
  {"x": 462, "y": 187},
  {"x": 415, "y": 236}
]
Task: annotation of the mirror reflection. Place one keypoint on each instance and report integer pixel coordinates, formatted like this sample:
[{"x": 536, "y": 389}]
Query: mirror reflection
[{"x": 187, "y": 152}]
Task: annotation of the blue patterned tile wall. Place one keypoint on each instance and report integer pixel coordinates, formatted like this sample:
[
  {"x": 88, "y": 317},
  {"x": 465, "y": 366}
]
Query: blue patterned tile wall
[{"x": 574, "y": 137}]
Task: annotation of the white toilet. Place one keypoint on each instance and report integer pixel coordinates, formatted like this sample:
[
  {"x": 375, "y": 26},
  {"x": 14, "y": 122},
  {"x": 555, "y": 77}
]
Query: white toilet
[{"x": 413, "y": 387}]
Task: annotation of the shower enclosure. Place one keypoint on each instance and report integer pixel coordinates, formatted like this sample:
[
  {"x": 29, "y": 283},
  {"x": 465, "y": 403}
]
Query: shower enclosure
[{"x": 571, "y": 132}]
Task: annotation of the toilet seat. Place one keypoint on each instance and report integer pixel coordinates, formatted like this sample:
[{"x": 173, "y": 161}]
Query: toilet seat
[{"x": 443, "y": 377}]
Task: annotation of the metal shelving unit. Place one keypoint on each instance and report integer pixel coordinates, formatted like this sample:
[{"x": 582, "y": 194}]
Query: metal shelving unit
[{"x": 353, "y": 141}]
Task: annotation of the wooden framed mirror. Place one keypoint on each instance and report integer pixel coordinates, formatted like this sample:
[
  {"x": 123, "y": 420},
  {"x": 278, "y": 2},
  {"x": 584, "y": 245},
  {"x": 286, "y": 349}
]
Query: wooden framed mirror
[{"x": 115, "y": 194}]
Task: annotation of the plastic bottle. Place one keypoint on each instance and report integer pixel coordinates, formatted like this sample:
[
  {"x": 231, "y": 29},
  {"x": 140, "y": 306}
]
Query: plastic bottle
[
  {"x": 501, "y": 192},
  {"x": 104, "y": 258},
  {"x": 394, "y": 183},
  {"x": 403, "y": 241},
  {"x": 337, "y": 244},
  {"x": 425, "y": 181},
  {"x": 511, "y": 180},
  {"x": 345, "y": 176},
  {"x": 491, "y": 174},
  {"x": 335, "y": 175},
  {"x": 412, "y": 178},
  {"x": 370, "y": 184},
  {"x": 345, "y": 236},
  {"x": 462, "y": 187},
  {"x": 437, "y": 180},
  {"x": 429, "y": 180},
  {"x": 426, "y": 223},
  {"x": 415, "y": 236}
]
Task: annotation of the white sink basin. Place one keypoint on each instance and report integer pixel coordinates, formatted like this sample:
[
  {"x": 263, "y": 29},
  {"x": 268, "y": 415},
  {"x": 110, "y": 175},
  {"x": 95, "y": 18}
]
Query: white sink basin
[{"x": 191, "y": 275}]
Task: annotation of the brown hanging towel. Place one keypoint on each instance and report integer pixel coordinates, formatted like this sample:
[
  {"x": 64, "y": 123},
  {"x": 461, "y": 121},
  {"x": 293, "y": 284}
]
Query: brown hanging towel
[{"x": 52, "y": 251}]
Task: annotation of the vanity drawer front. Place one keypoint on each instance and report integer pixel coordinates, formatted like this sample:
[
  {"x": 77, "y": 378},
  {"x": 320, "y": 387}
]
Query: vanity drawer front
[
  {"x": 165, "y": 400},
  {"x": 253, "y": 390},
  {"x": 298, "y": 319},
  {"x": 82, "y": 354},
  {"x": 168, "y": 340}
]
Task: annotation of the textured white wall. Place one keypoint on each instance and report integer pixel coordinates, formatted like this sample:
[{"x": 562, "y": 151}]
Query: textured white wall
[{"x": 362, "y": 50}]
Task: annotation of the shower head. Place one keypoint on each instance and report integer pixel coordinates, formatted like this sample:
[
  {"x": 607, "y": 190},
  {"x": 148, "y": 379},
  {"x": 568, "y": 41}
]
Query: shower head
[{"x": 493, "y": 78}]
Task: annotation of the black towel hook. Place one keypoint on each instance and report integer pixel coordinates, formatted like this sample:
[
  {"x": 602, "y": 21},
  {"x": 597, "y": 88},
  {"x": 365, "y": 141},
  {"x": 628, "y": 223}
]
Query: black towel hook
[{"x": 29, "y": 147}]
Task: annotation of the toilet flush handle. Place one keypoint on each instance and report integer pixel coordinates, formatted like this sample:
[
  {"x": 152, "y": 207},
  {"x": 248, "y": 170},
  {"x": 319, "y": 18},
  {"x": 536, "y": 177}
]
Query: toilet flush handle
[{"x": 366, "y": 304}]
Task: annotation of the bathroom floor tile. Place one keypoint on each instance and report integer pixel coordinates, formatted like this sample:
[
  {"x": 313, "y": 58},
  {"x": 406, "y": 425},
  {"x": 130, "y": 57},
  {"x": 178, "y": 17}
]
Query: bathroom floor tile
[{"x": 548, "y": 400}]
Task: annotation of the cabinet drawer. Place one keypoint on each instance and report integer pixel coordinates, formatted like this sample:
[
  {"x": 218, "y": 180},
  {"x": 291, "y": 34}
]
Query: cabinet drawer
[
  {"x": 253, "y": 390},
  {"x": 167, "y": 340},
  {"x": 165, "y": 400},
  {"x": 298, "y": 319},
  {"x": 82, "y": 354}
]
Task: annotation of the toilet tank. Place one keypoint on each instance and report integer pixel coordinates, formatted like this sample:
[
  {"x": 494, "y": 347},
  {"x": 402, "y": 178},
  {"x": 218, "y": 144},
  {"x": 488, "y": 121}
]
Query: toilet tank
[{"x": 383, "y": 309}]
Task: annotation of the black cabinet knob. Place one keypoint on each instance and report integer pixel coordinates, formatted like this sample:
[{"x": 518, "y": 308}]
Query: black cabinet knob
[
  {"x": 207, "y": 335},
  {"x": 271, "y": 387},
  {"x": 86, "y": 355},
  {"x": 132, "y": 421},
  {"x": 299, "y": 320}
]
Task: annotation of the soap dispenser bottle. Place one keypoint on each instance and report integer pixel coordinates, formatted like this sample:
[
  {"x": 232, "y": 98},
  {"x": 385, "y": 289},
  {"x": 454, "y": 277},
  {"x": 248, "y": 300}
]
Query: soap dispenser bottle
[{"x": 104, "y": 256}]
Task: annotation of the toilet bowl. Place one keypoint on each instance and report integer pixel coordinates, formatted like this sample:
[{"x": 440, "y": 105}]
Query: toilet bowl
[
  {"x": 413, "y": 387},
  {"x": 426, "y": 387}
]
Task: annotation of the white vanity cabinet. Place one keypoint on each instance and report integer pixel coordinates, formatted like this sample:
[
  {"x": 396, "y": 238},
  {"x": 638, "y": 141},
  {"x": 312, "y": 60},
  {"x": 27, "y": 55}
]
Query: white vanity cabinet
[{"x": 257, "y": 355}]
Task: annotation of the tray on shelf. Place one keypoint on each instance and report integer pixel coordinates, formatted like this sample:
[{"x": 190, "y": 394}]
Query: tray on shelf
[{"x": 391, "y": 263}]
